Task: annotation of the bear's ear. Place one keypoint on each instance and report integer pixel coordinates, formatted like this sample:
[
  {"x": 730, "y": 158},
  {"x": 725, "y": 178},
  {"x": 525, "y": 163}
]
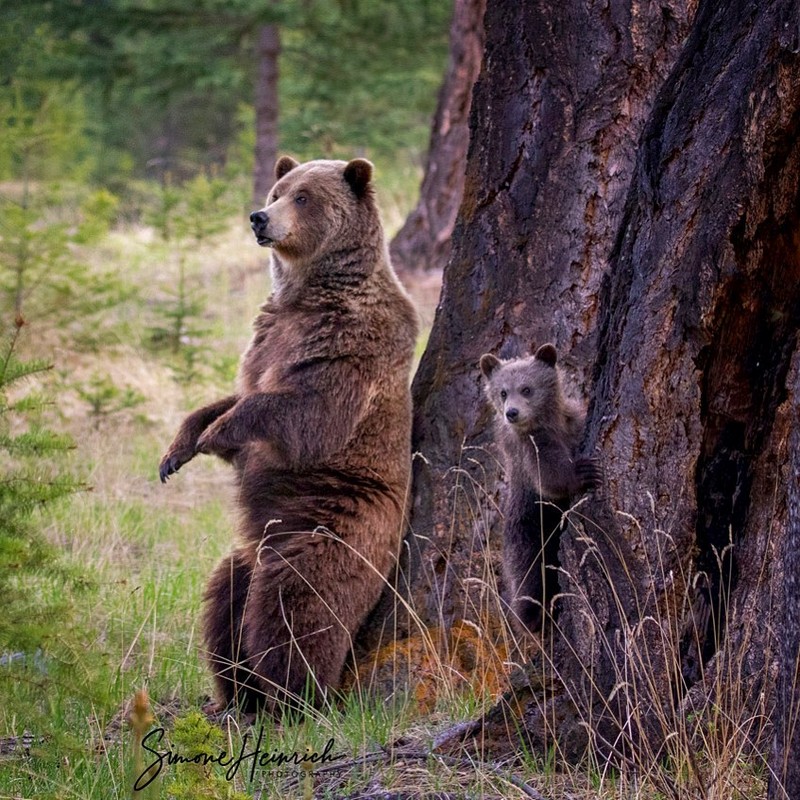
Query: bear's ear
[
  {"x": 489, "y": 364},
  {"x": 358, "y": 174},
  {"x": 547, "y": 354},
  {"x": 283, "y": 165}
]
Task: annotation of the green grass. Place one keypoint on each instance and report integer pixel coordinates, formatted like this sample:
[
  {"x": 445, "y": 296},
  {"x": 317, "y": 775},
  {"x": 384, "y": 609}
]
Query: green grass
[{"x": 134, "y": 623}]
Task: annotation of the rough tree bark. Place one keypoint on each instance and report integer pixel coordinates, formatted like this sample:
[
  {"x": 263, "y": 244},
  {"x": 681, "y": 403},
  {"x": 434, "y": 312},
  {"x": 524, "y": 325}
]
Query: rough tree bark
[
  {"x": 424, "y": 241},
  {"x": 692, "y": 413},
  {"x": 785, "y": 760},
  {"x": 672, "y": 580},
  {"x": 268, "y": 48},
  {"x": 561, "y": 101}
]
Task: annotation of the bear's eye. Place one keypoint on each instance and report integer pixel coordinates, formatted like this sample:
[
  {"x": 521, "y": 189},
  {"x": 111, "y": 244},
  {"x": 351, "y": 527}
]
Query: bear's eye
[
  {"x": 525, "y": 391},
  {"x": 301, "y": 199},
  {"x": 503, "y": 394}
]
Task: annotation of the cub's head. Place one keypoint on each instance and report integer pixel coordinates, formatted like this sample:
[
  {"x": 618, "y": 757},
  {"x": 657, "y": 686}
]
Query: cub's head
[
  {"x": 525, "y": 392},
  {"x": 315, "y": 208}
]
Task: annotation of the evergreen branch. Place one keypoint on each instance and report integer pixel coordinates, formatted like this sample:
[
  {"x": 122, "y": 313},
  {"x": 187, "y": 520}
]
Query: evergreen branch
[
  {"x": 13, "y": 370},
  {"x": 36, "y": 442}
]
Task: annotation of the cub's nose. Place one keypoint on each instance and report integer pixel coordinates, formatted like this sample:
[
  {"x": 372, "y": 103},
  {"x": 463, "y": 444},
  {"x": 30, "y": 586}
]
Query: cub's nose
[
  {"x": 258, "y": 219},
  {"x": 512, "y": 414}
]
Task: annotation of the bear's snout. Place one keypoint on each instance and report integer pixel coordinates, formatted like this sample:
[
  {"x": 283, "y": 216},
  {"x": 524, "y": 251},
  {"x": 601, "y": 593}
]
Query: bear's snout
[
  {"x": 258, "y": 222},
  {"x": 512, "y": 414}
]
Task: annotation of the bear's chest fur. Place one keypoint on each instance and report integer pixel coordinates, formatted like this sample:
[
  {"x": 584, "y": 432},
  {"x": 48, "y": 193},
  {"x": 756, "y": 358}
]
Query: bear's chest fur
[{"x": 283, "y": 340}]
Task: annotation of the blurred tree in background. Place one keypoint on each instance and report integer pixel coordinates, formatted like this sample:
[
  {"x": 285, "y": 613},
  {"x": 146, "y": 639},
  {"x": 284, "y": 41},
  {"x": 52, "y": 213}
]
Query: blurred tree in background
[
  {"x": 423, "y": 243},
  {"x": 170, "y": 86}
]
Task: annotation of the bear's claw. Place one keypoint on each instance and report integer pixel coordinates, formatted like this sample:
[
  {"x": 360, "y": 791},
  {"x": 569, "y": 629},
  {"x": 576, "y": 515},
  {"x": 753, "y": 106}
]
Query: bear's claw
[
  {"x": 590, "y": 472},
  {"x": 169, "y": 465}
]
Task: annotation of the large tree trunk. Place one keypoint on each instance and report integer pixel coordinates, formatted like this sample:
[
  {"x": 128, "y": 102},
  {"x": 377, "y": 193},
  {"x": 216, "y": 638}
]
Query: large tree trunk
[
  {"x": 672, "y": 580},
  {"x": 699, "y": 321},
  {"x": 561, "y": 101},
  {"x": 268, "y": 48},
  {"x": 424, "y": 241}
]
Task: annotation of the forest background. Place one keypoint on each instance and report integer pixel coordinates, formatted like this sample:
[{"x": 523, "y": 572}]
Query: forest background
[{"x": 128, "y": 279}]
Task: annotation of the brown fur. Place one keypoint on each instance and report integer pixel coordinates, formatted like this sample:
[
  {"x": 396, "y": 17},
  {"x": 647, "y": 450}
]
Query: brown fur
[
  {"x": 319, "y": 434},
  {"x": 539, "y": 430}
]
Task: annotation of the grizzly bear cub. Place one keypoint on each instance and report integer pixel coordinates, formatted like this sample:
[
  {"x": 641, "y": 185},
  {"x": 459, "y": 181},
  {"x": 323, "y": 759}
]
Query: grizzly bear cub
[
  {"x": 319, "y": 434},
  {"x": 539, "y": 429}
]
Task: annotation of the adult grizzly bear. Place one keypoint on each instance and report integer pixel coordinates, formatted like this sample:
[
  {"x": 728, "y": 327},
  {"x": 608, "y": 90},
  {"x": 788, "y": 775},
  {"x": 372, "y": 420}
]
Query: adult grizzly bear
[{"x": 319, "y": 434}]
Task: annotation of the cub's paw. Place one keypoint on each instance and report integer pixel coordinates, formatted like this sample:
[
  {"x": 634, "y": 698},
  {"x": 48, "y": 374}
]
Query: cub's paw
[
  {"x": 173, "y": 460},
  {"x": 590, "y": 473}
]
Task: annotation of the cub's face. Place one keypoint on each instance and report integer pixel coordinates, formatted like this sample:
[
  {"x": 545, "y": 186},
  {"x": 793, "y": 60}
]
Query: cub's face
[
  {"x": 523, "y": 391},
  {"x": 312, "y": 207}
]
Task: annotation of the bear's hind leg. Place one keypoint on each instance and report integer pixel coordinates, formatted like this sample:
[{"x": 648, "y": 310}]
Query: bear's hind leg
[
  {"x": 226, "y": 599},
  {"x": 530, "y": 555},
  {"x": 296, "y": 628},
  {"x": 524, "y": 581}
]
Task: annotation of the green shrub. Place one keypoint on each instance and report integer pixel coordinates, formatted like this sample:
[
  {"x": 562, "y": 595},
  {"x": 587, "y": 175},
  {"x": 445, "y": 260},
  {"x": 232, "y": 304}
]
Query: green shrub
[{"x": 31, "y": 478}]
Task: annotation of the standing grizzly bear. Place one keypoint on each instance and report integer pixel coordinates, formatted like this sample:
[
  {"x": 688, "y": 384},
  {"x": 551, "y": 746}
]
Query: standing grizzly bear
[
  {"x": 539, "y": 430},
  {"x": 319, "y": 433}
]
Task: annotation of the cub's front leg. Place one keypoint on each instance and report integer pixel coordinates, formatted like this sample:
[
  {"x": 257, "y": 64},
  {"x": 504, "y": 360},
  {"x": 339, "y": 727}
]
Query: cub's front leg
[{"x": 184, "y": 446}]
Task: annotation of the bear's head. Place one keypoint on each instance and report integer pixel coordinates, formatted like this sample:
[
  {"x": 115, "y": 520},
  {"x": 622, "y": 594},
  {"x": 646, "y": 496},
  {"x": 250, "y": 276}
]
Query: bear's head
[
  {"x": 315, "y": 208},
  {"x": 525, "y": 392}
]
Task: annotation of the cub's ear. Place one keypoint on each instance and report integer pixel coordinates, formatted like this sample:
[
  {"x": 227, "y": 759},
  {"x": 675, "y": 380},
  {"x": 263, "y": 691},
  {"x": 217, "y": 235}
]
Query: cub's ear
[
  {"x": 489, "y": 364},
  {"x": 358, "y": 174},
  {"x": 547, "y": 354},
  {"x": 283, "y": 165}
]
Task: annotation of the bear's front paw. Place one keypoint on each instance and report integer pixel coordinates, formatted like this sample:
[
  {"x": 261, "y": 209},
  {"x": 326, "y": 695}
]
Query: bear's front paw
[
  {"x": 173, "y": 460},
  {"x": 217, "y": 439},
  {"x": 590, "y": 473}
]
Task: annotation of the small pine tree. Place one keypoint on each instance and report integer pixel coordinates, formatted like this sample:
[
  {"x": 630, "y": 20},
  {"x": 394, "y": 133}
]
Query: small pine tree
[
  {"x": 193, "y": 735},
  {"x": 105, "y": 398},
  {"x": 176, "y": 329},
  {"x": 43, "y": 273},
  {"x": 44, "y": 269},
  {"x": 185, "y": 220},
  {"x": 31, "y": 478}
]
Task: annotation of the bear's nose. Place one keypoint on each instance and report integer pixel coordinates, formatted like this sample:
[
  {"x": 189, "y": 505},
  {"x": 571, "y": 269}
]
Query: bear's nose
[
  {"x": 512, "y": 414},
  {"x": 258, "y": 218}
]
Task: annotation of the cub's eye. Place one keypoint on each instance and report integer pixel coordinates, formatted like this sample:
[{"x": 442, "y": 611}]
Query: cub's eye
[
  {"x": 525, "y": 391},
  {"x": 503, "y": 394},
  {"x": 301, "y": 199},
  {"x": 273, "y": 198}
]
